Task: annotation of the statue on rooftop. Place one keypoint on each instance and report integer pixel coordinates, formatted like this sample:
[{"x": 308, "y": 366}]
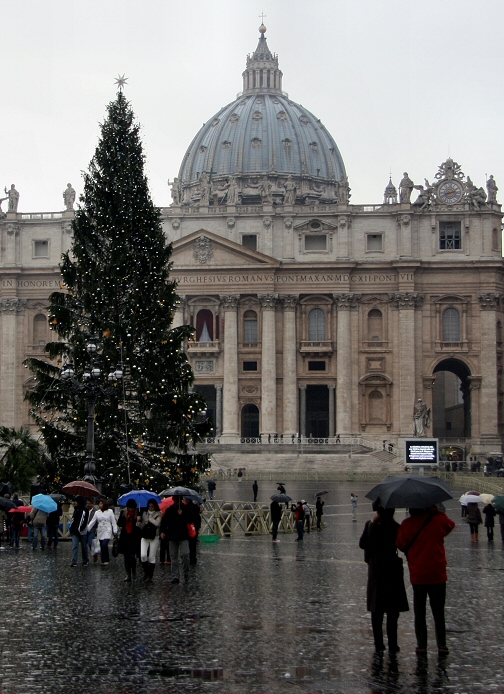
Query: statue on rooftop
[
  {"x": 405, "y": 188},
  {"x": 69, "y": 197}
]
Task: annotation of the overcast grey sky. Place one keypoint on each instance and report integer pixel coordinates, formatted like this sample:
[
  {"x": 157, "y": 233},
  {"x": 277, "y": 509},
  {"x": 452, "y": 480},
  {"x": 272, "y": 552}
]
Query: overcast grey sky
[{"x": 401, "y": 85}]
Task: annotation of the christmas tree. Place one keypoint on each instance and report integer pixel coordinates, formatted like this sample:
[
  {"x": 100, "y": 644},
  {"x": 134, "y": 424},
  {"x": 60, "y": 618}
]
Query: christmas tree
[{"x": 116, "y": 294}]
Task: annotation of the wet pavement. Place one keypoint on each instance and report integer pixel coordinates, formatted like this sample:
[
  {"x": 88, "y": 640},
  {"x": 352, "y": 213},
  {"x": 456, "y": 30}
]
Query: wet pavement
[{"x": 255, "y": 617}]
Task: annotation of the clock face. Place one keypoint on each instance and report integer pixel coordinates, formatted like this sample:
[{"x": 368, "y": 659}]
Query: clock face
[{"x": 450, "y": 192}]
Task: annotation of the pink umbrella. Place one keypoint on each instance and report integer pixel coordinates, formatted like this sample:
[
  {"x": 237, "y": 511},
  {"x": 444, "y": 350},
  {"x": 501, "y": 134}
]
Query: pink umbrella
[{"x": 21, "y": 509}]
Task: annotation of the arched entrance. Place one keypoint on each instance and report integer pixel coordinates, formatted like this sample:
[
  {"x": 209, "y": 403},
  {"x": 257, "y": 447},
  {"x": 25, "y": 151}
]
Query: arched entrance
[
  {"x": 250, "y": 422},
  {"x": 451, "y": 400}
]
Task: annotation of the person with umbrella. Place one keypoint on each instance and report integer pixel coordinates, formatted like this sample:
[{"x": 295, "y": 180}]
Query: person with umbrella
[
  {"x": 490, "y": 514},
  {"x": 421, "y": 538},
  {"x": 300, "y": 520},
  {"x": 386, "y": 593},
  {"x": 174, "y": 528},
  {"x": 78, "y": 531},
  {"x": 149, "y": 523},
  {"x": 39, "y": 522},
  {"x": 276, "y": 517},
  {"x": 474, "y": 519},
  {"x": 129, "y": 538},
  {"x": 319, "y": 512}
]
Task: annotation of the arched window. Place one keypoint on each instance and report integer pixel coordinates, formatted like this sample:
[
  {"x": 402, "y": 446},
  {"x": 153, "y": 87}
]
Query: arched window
[
  {"x": 204, "y": 326},
  {"x": 375, "y": 326},
  {"x": 250, "y": 333},
  {"x": 39, "y": 330},
  {"x": 451, "y": 325},
  {"x": 316, "y": 325},
  {"x": 376, "y": 407}
]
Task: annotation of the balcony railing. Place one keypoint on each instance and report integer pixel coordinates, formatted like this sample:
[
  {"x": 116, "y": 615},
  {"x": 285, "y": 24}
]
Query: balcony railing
[
  {"x": 204, "y": 347},
  {"x": 316, "y": 347}
]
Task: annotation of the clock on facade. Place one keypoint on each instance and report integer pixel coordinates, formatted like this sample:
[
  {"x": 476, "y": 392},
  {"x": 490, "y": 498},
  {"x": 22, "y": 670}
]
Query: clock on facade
[{"x": 450, "y": 192}]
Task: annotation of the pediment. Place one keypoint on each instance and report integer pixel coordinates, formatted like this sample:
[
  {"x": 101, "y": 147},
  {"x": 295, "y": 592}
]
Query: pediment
[
  {"x": 203, "y": 249},
  {"x": 315, "y": 226}
]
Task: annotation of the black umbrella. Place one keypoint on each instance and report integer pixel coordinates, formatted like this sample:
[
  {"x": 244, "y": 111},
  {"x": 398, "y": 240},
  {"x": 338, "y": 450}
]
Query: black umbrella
[
  {"x": 58, "y": 497},
  {"x": 7, "y": 504},
  {"x": 321, "y": 492},
  {"x": 183, "y": 491},
  {"x": 281, "y": 498},
  {"x": 410, "y": 491}
]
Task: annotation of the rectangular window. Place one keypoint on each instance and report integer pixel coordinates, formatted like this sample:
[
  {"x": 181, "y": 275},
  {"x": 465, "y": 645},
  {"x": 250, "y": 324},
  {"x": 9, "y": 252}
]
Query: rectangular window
[
  {"x": 317, "y": 242},
  {"x": 316, "y": 366},
  {"x": 374, "y": 242},
  {"x": 449, "y": 236},
  {"x": 250, "y": 241},
  {"x": 250, "y": 366},
  {"x": 41, "y": 249}
]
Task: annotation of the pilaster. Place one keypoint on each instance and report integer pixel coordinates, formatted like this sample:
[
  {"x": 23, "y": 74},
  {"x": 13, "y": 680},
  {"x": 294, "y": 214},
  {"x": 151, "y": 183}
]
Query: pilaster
[
  {"x": 230, "y": 410},
  {"x": 268, "y": 365},
  {"x": 344, "y": 302},
  {"x": 290, "y": 418},
  {"x": 11, "y": 308}
]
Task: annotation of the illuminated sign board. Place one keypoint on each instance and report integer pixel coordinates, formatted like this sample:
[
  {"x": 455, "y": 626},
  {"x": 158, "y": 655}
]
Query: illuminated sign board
[{"x": 421, "y": 452}]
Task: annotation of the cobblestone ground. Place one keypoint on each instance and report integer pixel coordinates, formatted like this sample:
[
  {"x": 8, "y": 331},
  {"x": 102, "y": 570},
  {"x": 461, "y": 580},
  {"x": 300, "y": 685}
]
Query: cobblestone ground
[{"x": 255, "y": 617}]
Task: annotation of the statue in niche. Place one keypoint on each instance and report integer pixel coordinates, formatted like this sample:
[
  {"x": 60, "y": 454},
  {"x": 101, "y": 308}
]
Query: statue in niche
[
  {"x": 343, "y": 190},
  {"x": 421, "y": 418},
  {"x": 290, "y": 191},
  {"x": 175, "y": 191},
  {"x": 492, "y": 189},
  {"x": 232, "y": 191},
  {"x": 204, "y": 186},
  {"x": 405, "y": 188},
  {"x": 69, "y": 197},
  {"x": 13, "y": 198}
]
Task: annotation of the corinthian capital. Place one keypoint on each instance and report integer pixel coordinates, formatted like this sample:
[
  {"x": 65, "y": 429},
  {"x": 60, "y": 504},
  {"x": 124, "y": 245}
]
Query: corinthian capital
[
  {"x": 230, "y": 302},
  {"x": 289, "y": 301},
  {"x": 408, "y": 300},
  {"x": 346, "y": 301},
  {"x": 489, "y": 301},
  {"x": 268, "y": 301},
  {"x": 12, "y": 304}
]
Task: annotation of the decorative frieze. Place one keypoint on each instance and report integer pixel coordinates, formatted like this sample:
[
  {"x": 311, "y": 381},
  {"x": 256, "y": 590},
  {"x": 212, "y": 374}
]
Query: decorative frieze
[{"x": 204, "y": 366}]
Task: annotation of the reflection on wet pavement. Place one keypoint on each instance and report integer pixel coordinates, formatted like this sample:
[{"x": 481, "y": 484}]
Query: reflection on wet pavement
[{"x": 255, "y": 617}]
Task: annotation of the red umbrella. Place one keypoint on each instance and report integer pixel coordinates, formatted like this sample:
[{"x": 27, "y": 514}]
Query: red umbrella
[
  {"x": 80, "y": 487},
  {"x": 21, "y": 509},
  {"x": 169, "y": 501}
]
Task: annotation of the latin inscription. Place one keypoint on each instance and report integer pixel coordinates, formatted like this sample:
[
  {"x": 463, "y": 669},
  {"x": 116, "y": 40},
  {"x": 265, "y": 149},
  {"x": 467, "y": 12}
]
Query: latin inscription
[
  {"x": 28, "y": 284},
  {"x": 298, "y": 278}
]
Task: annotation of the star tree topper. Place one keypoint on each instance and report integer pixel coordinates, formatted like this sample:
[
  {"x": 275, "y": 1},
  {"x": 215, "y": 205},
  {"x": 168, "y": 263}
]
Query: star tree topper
[{"x": 121, "y": 81}]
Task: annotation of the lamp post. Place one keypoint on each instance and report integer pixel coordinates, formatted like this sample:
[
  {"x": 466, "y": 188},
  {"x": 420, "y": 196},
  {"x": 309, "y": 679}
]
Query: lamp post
[{"x": 90, "y": 384}]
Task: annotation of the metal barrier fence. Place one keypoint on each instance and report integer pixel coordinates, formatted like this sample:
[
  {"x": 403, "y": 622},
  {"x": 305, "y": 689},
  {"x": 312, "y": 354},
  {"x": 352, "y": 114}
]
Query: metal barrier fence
[{"x": 227, "y": 518}]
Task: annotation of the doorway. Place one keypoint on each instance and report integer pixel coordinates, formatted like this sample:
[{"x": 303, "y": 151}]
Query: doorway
[
  {"x": 451, "y": 400},
  {"x": 317, "y": 412}
]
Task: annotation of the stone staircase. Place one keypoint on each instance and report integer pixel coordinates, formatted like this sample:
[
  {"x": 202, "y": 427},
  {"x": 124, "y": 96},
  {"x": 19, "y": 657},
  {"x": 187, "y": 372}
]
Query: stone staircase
[{"x": 301, "y": 465}]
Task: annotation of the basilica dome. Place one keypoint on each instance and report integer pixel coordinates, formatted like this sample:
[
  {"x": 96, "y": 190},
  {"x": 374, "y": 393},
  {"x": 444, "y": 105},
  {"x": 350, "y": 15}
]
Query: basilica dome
[{"x": 261, "y": 136}]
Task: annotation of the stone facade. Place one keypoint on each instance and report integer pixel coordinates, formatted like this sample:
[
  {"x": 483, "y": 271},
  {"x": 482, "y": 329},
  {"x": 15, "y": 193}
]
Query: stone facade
[{"x": 311, "y": 317}]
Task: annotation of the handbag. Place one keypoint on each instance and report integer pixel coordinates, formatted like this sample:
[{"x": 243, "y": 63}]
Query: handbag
[
  {"x": 115, "y": 547},
  {"x": 95, "y": 546},
  {"x": 149, "y": 531},
  {"x": 191, "y": 530}
]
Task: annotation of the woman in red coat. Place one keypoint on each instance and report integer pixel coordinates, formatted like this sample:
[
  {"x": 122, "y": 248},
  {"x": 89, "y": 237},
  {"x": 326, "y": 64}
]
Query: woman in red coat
[{"x": 421, "y": 538}]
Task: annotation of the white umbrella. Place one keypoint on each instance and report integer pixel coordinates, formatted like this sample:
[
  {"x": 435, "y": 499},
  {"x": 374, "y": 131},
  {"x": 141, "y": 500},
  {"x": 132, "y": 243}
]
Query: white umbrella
[{"x": 470, "y": 499}]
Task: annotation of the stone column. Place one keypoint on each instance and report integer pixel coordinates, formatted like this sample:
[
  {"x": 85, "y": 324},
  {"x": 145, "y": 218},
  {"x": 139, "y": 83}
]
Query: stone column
[
  {"x": 344, "y": 303},
  {"x": 268, "y": 365},
  {"x": 11, "y": 309},
  {"x": 475, "y": 390},
  {"x": 489, "y": 305},
  {"x": 332, "y": 390},
  {"x": 290, "y": 416},
  {"x": 405, "y": 303},
  {"x": 230, "y": 410},
  {"x": 218, "y": 409},
  {"x": 11, "y": 252},
  {"x": 302, "y": 410}
]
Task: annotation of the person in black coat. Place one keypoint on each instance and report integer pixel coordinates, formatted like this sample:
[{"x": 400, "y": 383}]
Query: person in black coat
[
  {"x": 276, "y": 517},
  {"x": 319, "y": 512},
  {"x": 174, "y": 529},
  {"x": 129, "y": 538},
  {"x": 255, "y": 489},
  {"x": 195, "y": 511},
  {"x": 386, "y": 593},
  {"x": 490, "y": 514}
]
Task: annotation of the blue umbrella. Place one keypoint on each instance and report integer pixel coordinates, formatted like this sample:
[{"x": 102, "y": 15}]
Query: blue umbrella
[
  {"x": 43, "y": 502},
  {"x": 141, "y": 496}
]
